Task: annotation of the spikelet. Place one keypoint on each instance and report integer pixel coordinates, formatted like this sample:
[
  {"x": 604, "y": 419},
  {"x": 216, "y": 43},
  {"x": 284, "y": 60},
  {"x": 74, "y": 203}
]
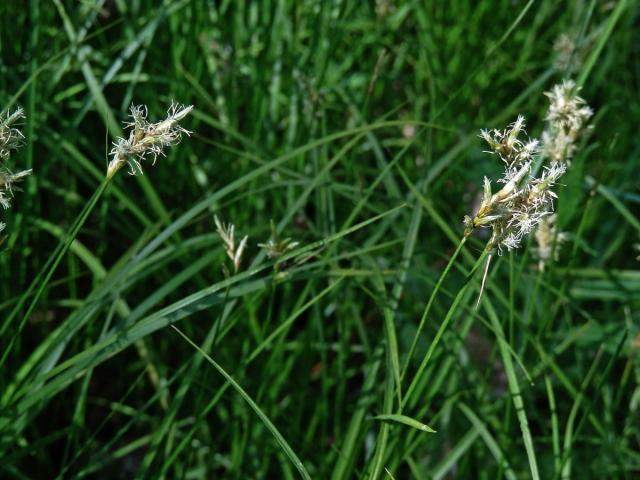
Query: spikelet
[
  {"x": 10, "y": 137},
  {"x": 548, "y": 240},
  {"x": 276, "y": 247},
  {"x": 566, "y": 120},
  {"x": 227, "y": 233},
  {"x": 7, "y": 181},
  {"x": 147, "y": 140}
]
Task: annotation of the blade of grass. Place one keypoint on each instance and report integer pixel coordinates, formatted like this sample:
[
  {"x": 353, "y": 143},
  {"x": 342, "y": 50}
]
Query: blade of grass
[
  {"x": 489, "y": 441},
  {"x": 514, "y": 391},
  {"x": 247, "y": 398},
  {"x": 405, "y": 420}
]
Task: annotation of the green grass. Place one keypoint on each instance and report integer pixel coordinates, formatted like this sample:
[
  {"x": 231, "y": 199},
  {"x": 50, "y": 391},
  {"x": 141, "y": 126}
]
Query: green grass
[{"x": 128, "y": 352}]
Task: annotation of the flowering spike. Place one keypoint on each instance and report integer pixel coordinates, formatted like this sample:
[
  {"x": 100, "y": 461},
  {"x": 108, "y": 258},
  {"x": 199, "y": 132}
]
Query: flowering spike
[
  {"x": 525, "y": 201},
  {"x": 486, "y": 199},
  {"x": 10, "y": 137},
  {"x": 520, "y": 205},
  {"x": 7, "y": 179},
  {"x": 276, "y": 247},
  {"x": 548, "y": 239},
  {"x": 237, "y": 258},
  {"x": 566, "y": 118},
  {"x": 227, "y": 233},
  {"x": 147, "y": 139}
]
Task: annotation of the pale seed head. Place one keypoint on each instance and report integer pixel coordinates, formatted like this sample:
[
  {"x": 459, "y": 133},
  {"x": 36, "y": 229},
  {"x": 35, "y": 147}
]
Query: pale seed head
[
  {"x": 227, "y": 233},
  {"x": 566, "y": 119},
  {"x": 10, "y": 136},
  {"x": 147, "y": 140},
  {"x": 520, "y": 205}
]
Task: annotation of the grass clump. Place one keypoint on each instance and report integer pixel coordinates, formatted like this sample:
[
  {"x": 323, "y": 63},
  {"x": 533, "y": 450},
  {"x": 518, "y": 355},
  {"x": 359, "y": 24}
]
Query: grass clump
[{"x": 348, "y": 341}]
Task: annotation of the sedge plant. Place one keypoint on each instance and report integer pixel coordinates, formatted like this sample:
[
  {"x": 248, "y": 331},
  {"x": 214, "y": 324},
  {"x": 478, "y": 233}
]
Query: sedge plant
[
  {"x": 523, "y": 205},
  {"x": 146, "y": 142}
]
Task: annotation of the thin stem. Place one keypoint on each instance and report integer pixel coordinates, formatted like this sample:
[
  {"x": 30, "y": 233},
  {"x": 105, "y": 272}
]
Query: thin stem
[
  {"x": 286, "y": 448},
  {"x": 49, "y": 268},
  {"x": 443, "y": 327},
  {"x": 514, "y": 390},
  {"x": 555, "y": 428},
  {"x": 427, "y": 309},
  {"x": 484, "y": 279}
]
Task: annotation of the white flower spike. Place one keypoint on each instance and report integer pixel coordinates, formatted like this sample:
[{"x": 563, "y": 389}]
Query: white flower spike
[
  {"x": 521, "y": 204},
  {"x": 227, "y": 234},
  {"x": 147, "y": 139},
  {"x": 548, "y": 239},
  {"x": 10, "y": 137},
  {"x": 7, "y": 179},
  {"x": 566, "y": 119}
]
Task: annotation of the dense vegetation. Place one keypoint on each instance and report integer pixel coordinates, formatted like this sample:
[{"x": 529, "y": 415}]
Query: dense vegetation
[{"x": 132, "y": 348}]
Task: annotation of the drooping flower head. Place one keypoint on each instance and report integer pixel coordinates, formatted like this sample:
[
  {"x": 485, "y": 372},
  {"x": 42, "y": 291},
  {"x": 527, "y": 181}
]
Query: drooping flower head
[{"x": 146, "y": 139}]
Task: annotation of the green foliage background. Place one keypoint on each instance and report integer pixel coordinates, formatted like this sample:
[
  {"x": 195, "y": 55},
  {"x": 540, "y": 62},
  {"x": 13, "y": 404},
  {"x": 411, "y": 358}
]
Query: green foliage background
[{"x": 349, "y": 121}]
